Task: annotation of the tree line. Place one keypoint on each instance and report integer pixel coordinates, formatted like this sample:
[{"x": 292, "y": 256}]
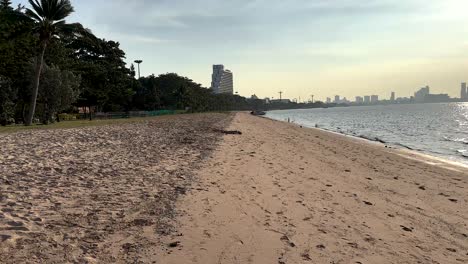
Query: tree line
[{"x": 49, "y": 67}]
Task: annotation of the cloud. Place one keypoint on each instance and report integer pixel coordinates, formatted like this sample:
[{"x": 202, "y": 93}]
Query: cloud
[
  {"x": 266, "y": 37},
  {"x": 141, "y": 39}
]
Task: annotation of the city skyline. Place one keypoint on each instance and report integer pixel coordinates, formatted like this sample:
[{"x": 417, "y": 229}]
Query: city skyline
[
  {"x": 418, "y": 96},
  {"x": 295, "y": 46},
  {"x": 423, "y": 95}
]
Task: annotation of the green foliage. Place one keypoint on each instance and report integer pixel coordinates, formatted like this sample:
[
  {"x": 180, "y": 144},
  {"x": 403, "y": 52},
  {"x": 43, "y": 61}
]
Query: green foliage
[
  {"x": 49, "y": 17},
  {"x": 58, "y": 90},
  {"x": 82, "y": 70},
  {"x": 146, "y": 96},
  {"x": 5, "y": 5},
  {"x": 171, "y": 91},
  {"x": 107, "y": 83},
  {"x": 7, "y": 95}
]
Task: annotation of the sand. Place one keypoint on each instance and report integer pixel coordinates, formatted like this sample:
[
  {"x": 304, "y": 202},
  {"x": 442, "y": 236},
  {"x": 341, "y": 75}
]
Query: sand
[
  {"x": 176, "y": 191},
  {"x": 100, "y": 194},
  {"x": 279, "y": 193}
]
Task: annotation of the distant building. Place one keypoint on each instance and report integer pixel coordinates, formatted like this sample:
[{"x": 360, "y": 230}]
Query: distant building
[
  {"x": 367, "y": 99},
  {"x": 222, "y": 80},
  {"x": 392, "y": 97},
  {"x": 282, "y": 101},
  {"x": 328, "y": 100},
  {"x": 436, "y": 98},
  {"x": 374, "y": 99},
  {"x": 337, "y": 99},
  {"x": 403, "y": 100},
  {"x": 419, "y": 96},
  {"x": 464, "y": 91},
  {"x": 359, "y": 100}
]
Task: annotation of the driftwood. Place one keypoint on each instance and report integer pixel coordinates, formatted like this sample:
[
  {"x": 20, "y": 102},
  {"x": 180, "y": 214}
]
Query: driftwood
[{"x": 227, "y": 132}]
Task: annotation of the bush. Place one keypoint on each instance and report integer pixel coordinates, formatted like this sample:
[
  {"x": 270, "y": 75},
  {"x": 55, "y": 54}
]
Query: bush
[
  {"x": 7, "y": 107},
  {"x": 68, "y": 117}
]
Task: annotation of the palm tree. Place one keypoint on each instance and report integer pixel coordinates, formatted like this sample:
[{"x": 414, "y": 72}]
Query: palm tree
[
  {"x": 5, "y": 4},
  {"x": 49, "y": 18}
]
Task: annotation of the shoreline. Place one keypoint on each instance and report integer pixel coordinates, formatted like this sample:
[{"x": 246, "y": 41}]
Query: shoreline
[
  {"x": 224, "y": 188},
  {"x": 279, "y": 193},
  {"x": 406, "y": 151}
]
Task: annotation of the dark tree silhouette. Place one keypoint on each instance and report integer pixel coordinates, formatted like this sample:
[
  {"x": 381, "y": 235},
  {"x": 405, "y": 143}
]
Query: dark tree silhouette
[
  {"x": 5, "y": 4},
  {"x": 49, "y": 19}
]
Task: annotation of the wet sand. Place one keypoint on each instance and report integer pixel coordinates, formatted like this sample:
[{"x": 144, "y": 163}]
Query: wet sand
[{"x": 283, "y": 194}]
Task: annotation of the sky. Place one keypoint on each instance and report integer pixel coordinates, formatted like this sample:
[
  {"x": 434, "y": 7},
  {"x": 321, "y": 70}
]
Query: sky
[{"x": 300, "y": 47}]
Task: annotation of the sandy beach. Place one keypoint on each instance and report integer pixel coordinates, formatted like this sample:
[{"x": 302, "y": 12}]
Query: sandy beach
[
  {"x": 100, "y": 194},
  {"x": 177, "y": 190},
  {"x": 281, "y": 194}
]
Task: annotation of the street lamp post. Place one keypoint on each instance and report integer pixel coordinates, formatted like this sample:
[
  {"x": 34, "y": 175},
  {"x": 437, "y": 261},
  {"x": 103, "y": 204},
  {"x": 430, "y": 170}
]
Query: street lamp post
[{"x": 138, "y": 62}]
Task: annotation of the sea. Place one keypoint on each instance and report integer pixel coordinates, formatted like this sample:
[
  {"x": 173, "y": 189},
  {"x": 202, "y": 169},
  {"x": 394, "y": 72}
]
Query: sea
[{"x": 439, "y": 130}]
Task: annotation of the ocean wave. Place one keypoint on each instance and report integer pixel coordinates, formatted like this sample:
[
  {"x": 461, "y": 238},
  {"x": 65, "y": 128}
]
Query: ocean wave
[
  {"x": 400, "y": 126},
  {"x": 463, "y": 152},
  {"x": 459, "y": 140},
  {"x": 405, "y": 146}
]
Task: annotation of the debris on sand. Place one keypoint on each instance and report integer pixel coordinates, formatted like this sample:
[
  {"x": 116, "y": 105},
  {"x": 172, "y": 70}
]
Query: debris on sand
[
  {"x": 174, "y": 244},
  {"x": 227, "y": 132}
]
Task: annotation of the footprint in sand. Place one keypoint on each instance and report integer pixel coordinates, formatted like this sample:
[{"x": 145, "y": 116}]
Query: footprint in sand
[
  {"x": 4, "y": 238},
  {"x": 15, "y": 224},
  {"x": 407, "y": 229},
  {"x": 306, "y": 257},
  {"x": 286, "y": 240},
  {"x": 321, "y": 247}
]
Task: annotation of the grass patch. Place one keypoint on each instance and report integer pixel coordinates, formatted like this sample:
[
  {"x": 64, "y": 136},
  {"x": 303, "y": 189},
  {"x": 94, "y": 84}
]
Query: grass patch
[{"x": 75, "y": 124}]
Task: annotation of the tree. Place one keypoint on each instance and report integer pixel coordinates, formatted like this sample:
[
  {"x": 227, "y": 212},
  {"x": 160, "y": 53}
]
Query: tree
[
  {"x": 6, "y": 101},
  {"x": 106, "y": 83},
  {"x": 5, "y": 5},
  {"x": 132, "y": 70},
  {"x": 59, "y": 89},
  {"x": 146, "y": 95},
  {"x": 17, "y": 47},
  {"x": 49, "y": 18}
]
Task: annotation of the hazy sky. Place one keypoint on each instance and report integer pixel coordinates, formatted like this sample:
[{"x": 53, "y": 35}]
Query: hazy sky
[{"x": 302, "y": 47}]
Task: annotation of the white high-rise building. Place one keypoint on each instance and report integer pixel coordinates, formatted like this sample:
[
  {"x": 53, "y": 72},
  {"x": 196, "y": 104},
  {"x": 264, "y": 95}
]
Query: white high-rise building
[
  {"x": 392, "y": 97},
  {"x": 464, "y": 91},
  {"x": 222, "y": 81},
  {"x": 374, "y": 99}
]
